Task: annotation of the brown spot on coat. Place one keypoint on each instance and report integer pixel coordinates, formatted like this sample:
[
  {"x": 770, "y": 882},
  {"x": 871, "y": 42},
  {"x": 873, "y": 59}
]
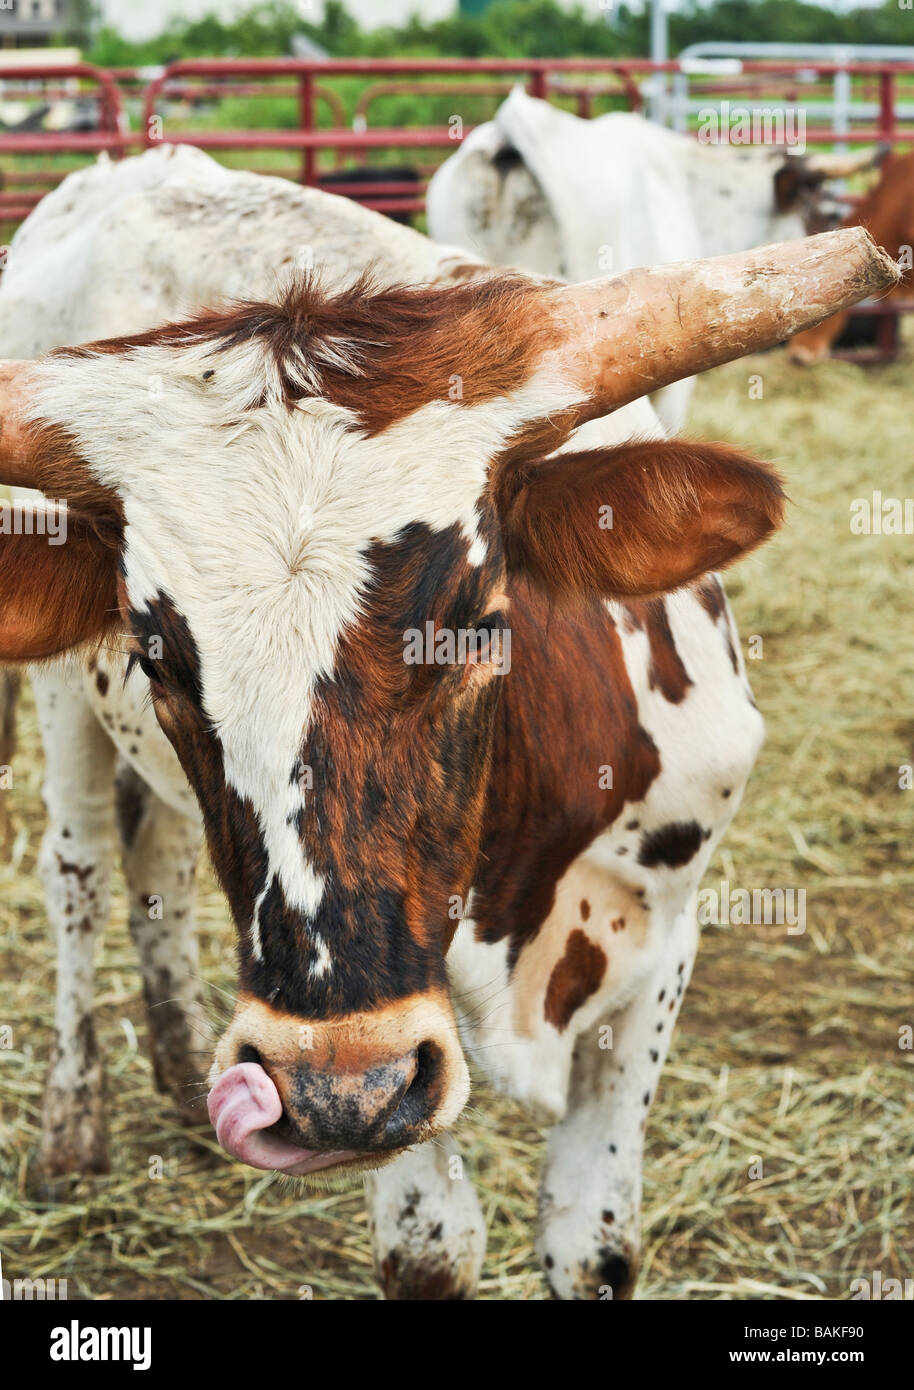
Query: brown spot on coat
[
  {"x": 574, "y": 979},
  {"x": 666, "y": 672},
  {"x": 710, "y": 594}
]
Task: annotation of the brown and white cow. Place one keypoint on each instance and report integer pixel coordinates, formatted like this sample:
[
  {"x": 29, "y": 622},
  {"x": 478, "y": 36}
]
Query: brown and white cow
[
  {"x": 887, "y": 213},
  {"x": 264, "y": 502}
]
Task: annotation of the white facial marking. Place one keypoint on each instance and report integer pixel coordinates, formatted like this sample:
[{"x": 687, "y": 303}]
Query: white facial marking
[{"x": 256, "y": 527}]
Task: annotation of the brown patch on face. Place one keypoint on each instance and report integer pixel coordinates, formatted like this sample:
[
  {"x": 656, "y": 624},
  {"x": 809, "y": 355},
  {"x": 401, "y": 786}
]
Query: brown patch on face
[
  {"x": 710, "y": 593},
  {"x": 574, "y": 979},
  {"x": 585, "y": 909},
  {"x": 666, "y": 672},
  {"x": 232, "y": 829},
  {"x": 381, "y": 353},
  {"x": 394, "y": 765},
  {"x": 567, "y": 713},
  {"x": 399, "y": 758}
]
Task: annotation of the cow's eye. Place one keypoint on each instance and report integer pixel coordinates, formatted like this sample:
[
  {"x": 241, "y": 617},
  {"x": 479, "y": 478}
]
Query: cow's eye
[
  {"x": 487, "y": 652},
  {"x": 146, "y": 665},
  {"x": 491, "y": 628}
]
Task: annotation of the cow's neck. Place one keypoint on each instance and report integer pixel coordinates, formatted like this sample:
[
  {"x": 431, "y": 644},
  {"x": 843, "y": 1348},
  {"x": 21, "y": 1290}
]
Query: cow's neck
[{"x": 568, "y": 754}]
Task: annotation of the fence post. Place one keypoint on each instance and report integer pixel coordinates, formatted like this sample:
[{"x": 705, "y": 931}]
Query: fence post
[
  {"x": 887, "y": 129},
  {"x": 538, "y": 83},
  {"x": 306, "y": 122}
]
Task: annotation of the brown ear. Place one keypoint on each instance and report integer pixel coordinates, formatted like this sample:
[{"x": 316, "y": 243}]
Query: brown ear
[
  {"x": 794, "y": 179},
  {"x": 53, "y": 596},
  {"x": 640, "y": 519}
]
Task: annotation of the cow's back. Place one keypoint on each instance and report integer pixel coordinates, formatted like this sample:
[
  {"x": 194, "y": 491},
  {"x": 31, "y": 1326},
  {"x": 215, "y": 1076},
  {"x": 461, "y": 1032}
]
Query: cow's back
[{"x": 119, "y": 248}]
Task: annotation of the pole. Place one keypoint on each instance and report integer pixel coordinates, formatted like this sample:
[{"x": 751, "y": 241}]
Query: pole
[{"x": 659, "y": 52}]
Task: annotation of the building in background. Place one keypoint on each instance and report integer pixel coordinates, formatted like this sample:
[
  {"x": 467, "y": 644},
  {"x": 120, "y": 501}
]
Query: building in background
[
  {"x": 38, "y": 22},
  {"x": 34, "y": 23},
  {"x": 144, "y": 19}
]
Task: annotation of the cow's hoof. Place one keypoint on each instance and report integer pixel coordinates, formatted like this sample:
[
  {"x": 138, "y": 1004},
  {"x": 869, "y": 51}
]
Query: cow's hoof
[
  {"x": 428, "y": 1279},
  {"x": 73, "y": 1138},
  {"x": 608, "y": 1276}
]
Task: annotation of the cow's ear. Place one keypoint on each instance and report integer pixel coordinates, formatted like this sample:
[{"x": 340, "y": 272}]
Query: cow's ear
[
  {"x": 793, "y": 181},
  {"x": 58, "y": 582},
  {"x": 643, "y": 518}
]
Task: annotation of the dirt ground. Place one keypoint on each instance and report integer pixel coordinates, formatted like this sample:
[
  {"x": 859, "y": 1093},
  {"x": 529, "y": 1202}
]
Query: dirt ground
[{"x": 787, "y": 1054}]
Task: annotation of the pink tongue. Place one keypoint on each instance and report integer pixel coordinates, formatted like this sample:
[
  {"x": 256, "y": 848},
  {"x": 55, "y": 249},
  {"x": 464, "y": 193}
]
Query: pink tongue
[{"x": 242, "y": 1104}]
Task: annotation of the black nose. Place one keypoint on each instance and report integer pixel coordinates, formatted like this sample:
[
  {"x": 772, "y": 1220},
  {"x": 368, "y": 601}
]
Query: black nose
[{"x": 385, "y": 1107}]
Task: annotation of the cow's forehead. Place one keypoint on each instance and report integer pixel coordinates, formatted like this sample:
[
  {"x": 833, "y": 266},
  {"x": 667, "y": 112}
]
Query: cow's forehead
[
  {"x": 254, "y": 514},
  {"x": 250, "y": 526},
  {"x": 267, "y": 551},
  {"x": 263, "y": 544},
  {"x": 263, "y": 539}
]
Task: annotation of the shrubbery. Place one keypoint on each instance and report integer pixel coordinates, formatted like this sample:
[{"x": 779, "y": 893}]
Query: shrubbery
[{"x": 509, "y": 28}]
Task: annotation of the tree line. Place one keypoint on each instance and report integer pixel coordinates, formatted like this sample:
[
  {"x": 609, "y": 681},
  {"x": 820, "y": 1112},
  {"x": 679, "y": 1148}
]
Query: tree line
[{"x": 508, "y": 29}]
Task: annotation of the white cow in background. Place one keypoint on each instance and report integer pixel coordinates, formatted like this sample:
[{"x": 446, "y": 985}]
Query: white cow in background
[{"x": 543, "y": 190}]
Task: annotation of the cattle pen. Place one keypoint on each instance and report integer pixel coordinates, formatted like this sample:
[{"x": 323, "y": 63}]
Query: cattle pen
[
  {"x": 779, "y": 1158},
  {"x": 300, "y": 118},
  {"x": 376, "y": 129}
]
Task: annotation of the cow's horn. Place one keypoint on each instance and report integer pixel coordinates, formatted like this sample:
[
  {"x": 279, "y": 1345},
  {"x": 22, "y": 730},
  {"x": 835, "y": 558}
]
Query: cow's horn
[
  {"x": 844, "y": 166},
  {"x": 628, "y": 335},
  {"x": 16, "y": 461}
]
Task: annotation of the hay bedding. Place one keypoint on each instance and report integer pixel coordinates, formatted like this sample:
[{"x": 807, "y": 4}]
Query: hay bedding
[{"x": 787, "y": 1051}]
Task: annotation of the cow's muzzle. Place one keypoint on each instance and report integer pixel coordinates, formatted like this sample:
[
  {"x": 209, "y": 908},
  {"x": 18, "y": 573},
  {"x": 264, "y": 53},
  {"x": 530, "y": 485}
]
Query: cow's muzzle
[{"x": 306, "y": 1097}]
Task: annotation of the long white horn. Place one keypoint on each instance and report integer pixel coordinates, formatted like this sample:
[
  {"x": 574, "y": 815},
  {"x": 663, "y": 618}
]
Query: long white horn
[
  {"x": 628, "y": 335},
  {"x": 844, "y": 166}
]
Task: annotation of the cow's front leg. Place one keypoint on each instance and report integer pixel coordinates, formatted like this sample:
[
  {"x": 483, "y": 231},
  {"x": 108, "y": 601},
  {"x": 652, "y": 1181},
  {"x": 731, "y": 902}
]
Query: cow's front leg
[
  {"x": 589, "y": 1232},
  {"x": 76, "y": 859},
  {"x": 427, "y": 1227},
  {"x": 160, "y": 848}
]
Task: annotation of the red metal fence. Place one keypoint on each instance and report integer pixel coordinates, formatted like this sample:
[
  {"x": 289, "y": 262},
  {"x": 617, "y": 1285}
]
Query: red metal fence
[{"x": 334, "y": 103}]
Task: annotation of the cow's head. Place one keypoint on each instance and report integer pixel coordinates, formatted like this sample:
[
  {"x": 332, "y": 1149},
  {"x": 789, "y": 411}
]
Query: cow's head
[
  {"x": 802, "y": 185},
  {"x": 547, "y": 191},
  {"x": 266, "y": 504}
]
